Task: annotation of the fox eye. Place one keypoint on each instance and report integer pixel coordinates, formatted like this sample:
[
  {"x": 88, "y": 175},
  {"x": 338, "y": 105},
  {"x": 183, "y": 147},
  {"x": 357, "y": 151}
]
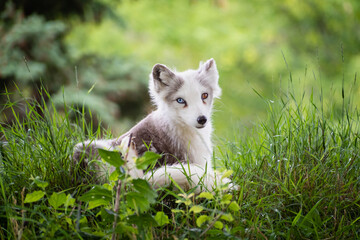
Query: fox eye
[
  {"x": 181, "y": 100},
  {"x": 204, "y": 96}
]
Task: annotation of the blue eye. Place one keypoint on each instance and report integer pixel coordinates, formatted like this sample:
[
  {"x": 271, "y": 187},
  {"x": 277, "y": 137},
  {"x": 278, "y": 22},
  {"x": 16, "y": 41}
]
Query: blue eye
[{"x": 180, "y": 100}]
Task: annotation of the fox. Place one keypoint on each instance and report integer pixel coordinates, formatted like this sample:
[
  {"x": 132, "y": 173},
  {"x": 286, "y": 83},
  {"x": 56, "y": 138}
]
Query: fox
[{"x": 179, "y": 129}]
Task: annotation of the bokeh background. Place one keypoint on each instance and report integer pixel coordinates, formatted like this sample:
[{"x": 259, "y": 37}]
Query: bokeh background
[{"x": 99, "y": 53}]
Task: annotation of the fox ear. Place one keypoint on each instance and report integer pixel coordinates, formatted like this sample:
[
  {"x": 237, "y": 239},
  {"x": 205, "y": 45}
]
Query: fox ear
[
  {"x": 210, "y": 75},
  {"x": 162, "y": 76},
  {"x": 209, "y": 67}
]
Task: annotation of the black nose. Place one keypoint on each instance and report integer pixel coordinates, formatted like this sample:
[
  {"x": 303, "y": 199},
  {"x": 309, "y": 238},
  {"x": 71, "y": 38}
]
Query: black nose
[{"x": 201, "y": 120}]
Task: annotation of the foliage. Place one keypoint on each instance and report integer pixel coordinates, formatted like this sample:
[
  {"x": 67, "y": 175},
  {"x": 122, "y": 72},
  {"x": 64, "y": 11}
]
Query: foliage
[
  {"x": 31, "y": 50},
  {"x": 296, "y": 177},
  {"x": 34, "y": 54},
  {"x": 113, "y": 88},
  {"x": 62, "y": 8}
]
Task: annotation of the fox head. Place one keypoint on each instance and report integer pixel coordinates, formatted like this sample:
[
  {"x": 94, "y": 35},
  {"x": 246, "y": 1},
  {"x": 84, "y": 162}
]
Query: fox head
[{"x": 186, "y": 97}]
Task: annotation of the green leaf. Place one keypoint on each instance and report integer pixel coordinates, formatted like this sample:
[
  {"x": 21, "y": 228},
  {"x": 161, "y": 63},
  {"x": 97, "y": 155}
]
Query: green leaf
[
  {"x": 227, "y": 217},
  {"x": 34, "y": 196},
  {"x": 355, "y": 221},
  {"x": 218, "y": 225},
  {"x": 97, "y": 192},
  {"x": 234, "y": 206},
  {"x": 107, "y": 215},
  {"x": 69, "y": 221},
  {"x": 226, "y": 199},
  {"x": 206, "y": 195},
  {"x": 161, "y": 219},
  {"x": 147, "y": 159},
  {"x": 238, "y": 229},
  {"x": 124, "y": 228},
  {"x": 312, "y": 215},
  {"x": 70, "y": 201},
  {"x": 111, "y": 157},
  {"x": 196, "y": 209},
  {"x": 40, "y": 183},
  {"x": 296, "y": 219},
  {"x": 177, "y": 211},
  {"x": 108, "y": 186},
  {"x": 57, "y": 199},
  {"x": 143, "y": 187},
  {"x": 142, "y": 197},
  {"x": 137, "y": 201},
  {"x": 97, "y": 202},
  {"x": 114, "y": 176},
  {"x": 202, "y": 219},
  {"x": 227, "y": 174},
  {"x": 83, "y": 220},
  {"x": 187, "y": 202},
  {"x": 142, "y": 220}
]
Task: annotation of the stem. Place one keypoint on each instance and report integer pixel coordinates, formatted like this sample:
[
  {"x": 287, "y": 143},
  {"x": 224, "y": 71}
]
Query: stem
[{"x": 118, "y": 191}]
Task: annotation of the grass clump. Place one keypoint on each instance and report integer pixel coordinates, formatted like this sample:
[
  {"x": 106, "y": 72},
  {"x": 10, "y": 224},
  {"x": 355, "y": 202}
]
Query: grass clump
[
  {"x": 299, "y": 172},
  {"x": 297, "y": 175}
]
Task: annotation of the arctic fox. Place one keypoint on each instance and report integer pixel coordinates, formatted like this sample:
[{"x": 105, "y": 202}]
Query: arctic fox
[{"x": 179, "y": 129}]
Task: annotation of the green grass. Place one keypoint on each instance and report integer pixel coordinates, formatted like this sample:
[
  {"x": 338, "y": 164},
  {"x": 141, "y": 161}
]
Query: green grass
[
  {"x": 297, "y": 172},
  {"x": 300, "y": 170}
]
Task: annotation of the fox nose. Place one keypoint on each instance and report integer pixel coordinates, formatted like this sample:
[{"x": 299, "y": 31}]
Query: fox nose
[{"x": 201, "y": 120}]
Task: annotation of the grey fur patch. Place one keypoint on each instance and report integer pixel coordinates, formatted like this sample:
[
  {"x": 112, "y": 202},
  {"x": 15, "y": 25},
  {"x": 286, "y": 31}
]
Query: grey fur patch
[
  {"x": 148, "y": 133},
  {"x": 164, "y": 77},
  {"x": 173, "y": 88}
]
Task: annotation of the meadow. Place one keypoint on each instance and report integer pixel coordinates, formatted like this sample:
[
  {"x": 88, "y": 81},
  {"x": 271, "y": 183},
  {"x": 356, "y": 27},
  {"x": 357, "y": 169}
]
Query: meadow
[{"x": 296, "y": 175}]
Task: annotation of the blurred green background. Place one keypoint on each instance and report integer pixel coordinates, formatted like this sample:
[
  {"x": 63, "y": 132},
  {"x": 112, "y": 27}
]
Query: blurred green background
[{"x": 99, "y": 53}]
